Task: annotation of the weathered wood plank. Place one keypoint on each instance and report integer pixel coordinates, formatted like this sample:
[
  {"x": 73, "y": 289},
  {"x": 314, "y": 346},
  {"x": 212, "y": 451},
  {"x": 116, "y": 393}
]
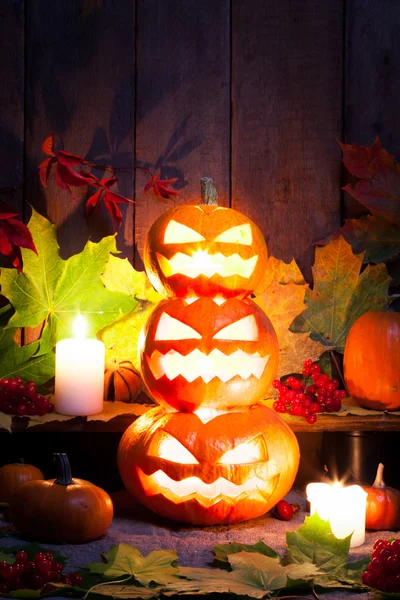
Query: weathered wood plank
[
  {"x": 183, "y": 102},
  {"x": 286, "y": 102},
  {"x": 80, "y": 84},
  {"x": 372, "y": 78},
  {"x": 12, "y": 99}
]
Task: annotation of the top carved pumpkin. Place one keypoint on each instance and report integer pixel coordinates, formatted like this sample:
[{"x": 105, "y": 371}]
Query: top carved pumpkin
[{"x": 204, "y": 251}]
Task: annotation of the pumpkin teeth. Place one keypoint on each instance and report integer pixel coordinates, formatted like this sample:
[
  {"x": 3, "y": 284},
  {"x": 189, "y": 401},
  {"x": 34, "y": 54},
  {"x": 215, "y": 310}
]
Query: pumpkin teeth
[
  {"x": 206, "y": 494},
  {"x": 208, "y": 265},
  {"x": 207, "y": 366}
]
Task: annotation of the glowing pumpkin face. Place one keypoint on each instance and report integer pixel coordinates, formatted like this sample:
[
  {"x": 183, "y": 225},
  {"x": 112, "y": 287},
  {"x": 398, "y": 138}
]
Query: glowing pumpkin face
[
  {"x": 234, "y": 467},
  {"x": 203, "y": 353},
  {"x": 204, "y": 251}
]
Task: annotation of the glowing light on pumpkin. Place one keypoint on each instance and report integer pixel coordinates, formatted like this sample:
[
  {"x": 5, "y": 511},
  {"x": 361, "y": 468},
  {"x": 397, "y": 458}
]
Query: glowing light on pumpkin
[
  {"x": 206, "y": 494},
  {"x": 172, "y": 329},
  {"x": 203, "y": 263},
  {"x": 168, "y": 447},
  {"x": 177, "y": 233},
  {"x": 207, "y": 366},
  {"x": 248, "y": 452},
  {"x": 241, "y": 234},
  {"x": 244, "y": 330}
]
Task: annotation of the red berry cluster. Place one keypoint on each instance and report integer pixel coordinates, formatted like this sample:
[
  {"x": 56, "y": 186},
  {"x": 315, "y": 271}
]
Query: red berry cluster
[
  {"x": 302, "y": 400},
  {"x": 18, "y": 398},
  {"x": 36, "y": 574},
  {"x": 384, "y": 569}
]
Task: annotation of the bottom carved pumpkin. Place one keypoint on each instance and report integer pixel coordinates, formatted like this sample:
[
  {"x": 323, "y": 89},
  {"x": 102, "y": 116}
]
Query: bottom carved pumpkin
[{"x": 230, "y": 468}]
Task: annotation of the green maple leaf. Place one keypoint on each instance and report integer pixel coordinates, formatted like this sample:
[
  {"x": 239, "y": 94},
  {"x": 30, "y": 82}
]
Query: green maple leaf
[
  {"x": 223, "y": 552},
  {"x": 315, "y": 543},
  {"x": 341, "y": 294},
  {"x": 254, "y": 575},
  {"x": 121, "y": 337},
  {"x": 378, "y": 238},
  {"x": 53, "y": 290},
  {"x": 22, "y": 361},
  {"x": 123, "y": 559}
]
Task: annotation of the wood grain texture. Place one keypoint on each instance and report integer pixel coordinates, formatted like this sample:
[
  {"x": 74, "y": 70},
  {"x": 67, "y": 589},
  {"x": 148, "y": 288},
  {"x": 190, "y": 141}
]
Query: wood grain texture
[
  {"x": 12, "y": 99},
  {"x": 324, "y": 423},
  {"x": 372, "y": 78},
  {"x": 80, "y": 84},
  {"x": 286, "y": 101},
  {"x": 183, "y": 102}
]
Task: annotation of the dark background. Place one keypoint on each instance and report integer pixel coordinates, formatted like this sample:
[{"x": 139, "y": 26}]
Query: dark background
[{"x": 253, "y": 93}]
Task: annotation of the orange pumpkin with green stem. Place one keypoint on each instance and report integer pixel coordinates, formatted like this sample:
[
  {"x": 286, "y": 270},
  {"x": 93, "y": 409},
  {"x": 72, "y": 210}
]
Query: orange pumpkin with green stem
[
  {"x": 63, "y": 509},
  {"x": 383, "y": 505}
]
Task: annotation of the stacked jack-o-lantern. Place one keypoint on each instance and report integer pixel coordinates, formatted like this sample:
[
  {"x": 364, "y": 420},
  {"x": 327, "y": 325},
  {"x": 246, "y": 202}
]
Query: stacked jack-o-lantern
[{"x": 209, "y": 454}]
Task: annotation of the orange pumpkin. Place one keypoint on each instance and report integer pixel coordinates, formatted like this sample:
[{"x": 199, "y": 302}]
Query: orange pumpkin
[
  {"x": 121, "y": 381},
  {"x": 204, "y": 251},
  {"x": 63, "y": 509},
  {"x": 383, "y": 505},
  {"x": 372, "y": 360},
  {"x": 12, "y": 477},
  {"x": 231, "y": 468},
  {"x": 208, "y": 354}
]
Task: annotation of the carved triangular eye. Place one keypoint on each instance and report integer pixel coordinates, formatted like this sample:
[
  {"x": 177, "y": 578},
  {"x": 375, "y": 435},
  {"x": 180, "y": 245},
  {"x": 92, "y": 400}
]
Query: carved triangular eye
[
  {"x": 168, "y": 448},
  {"x": 169, "y": 328},
  {"x": 241, "y": 234},
  {"x": 248, "y": 452},
  {"x": 176, "y": 233},
  {"x": 244, "y": 330}
]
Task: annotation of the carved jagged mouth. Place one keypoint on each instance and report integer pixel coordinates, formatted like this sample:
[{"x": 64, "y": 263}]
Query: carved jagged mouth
[
  {"x": 206, "y": 494},
  {"x": 207, "y": 366},
  {"x": 202, "y": 263}
]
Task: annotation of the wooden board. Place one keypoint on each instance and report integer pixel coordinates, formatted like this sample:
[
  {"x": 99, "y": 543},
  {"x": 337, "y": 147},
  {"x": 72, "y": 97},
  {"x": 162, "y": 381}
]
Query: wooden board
[
  {"x": 286, "y": 102},
  {"x": 80, "y": 85},
  {"x": 183, "y": 101},
  {"x": 12, "y": 99},
  {"x": 372, "y": 79}
]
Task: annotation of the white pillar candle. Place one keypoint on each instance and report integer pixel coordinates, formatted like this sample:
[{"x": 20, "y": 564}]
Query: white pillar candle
[
  {"x": 343, "y": 507},
  {"x": 79, "y": 386}
]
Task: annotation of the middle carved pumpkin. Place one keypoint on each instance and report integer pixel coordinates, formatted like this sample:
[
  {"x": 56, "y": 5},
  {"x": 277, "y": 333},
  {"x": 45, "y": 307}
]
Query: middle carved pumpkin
[{"x": 204, "y": 353}]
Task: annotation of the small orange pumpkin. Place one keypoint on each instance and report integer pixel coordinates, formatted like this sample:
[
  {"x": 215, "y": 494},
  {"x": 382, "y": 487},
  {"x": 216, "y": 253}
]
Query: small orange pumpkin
[
  {"x": 121, "y": 381},
  {"x": 233, "y": 467},
  {"x": 63, "y": 509},
  {"x": 383, "y": 505},
  {"x": 372, "y": 360},
  {"x": 12, "y": 477}
]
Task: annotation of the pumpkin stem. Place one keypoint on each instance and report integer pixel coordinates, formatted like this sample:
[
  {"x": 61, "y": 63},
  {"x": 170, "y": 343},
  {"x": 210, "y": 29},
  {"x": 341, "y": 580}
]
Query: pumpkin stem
[
  {"x": 379, "y": 482},
  {"x": 63, "y": 469},
  {"x": 209, "y": 194}
]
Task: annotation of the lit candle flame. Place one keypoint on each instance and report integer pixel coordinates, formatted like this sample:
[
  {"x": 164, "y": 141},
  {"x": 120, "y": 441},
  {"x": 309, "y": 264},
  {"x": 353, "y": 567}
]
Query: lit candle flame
[{"x": 79, "y": 327}]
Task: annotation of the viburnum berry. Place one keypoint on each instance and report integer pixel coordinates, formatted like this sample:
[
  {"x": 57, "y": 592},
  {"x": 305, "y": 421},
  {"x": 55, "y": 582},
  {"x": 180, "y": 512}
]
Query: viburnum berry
[
  {"x": 306, "y": 399},
  {"x": 20, "y": 399},
  {"x": 283, "y": 510},
  {"x": 383, "y": 572}
]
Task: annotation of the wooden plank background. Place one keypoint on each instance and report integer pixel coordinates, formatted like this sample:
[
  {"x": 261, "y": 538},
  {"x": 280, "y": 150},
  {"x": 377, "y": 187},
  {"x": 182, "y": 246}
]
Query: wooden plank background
[{"x": 252, "y": 94}]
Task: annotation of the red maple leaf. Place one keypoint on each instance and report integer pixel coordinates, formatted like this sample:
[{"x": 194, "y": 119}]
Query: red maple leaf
[
  {"x": 111, "y": 199},
  {"x": 66, "y": 177},
  {"x": 378, "y": 187},
  {"x": 160, "y": 186},
  {"x": 14, "y": 235}
]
